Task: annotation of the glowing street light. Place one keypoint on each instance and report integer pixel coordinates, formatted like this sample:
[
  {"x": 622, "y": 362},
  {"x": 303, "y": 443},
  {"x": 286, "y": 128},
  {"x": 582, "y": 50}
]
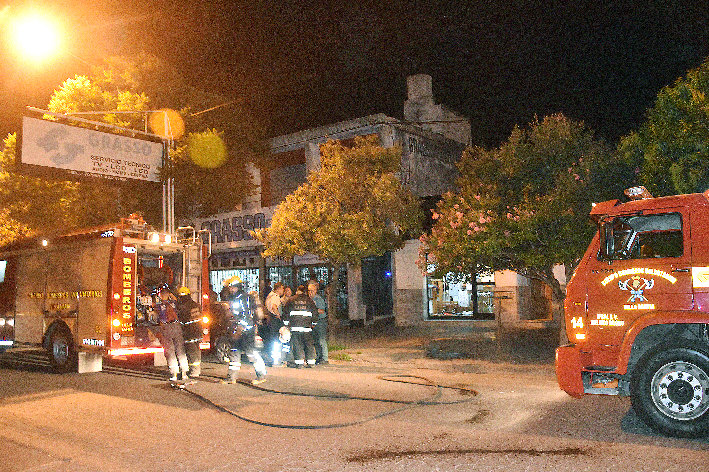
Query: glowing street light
[{"x": 36, "y": 37}]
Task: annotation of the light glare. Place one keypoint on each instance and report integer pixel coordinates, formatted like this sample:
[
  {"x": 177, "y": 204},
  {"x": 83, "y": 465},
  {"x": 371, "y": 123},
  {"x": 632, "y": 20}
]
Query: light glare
[{"x": 36, "y": 37}]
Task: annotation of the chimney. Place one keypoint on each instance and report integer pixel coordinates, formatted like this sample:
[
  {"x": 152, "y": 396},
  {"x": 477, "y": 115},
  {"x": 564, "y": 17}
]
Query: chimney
[{"x": 420, "y": 87}]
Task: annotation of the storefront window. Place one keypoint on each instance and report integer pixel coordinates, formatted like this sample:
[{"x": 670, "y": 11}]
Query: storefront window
[
  {"x": 449, "y": 298},
  {"x": 281, "y": 274},
  {"x": 248, "y": 276},
  {"x": 289, "y": 276}
]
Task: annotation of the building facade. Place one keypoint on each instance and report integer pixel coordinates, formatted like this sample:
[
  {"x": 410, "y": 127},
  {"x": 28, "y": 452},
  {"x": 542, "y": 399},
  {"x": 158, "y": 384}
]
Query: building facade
[{"x": 432, "y": 139}]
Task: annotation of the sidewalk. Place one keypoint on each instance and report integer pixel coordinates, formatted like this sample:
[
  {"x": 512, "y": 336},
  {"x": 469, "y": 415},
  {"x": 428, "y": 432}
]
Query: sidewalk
[{"x": 442, "y": 341}]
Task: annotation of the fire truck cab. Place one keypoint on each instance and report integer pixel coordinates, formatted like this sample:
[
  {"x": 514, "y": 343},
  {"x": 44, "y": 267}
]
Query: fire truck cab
[
  {"x": 89, "y": 294},
  {"x": 637, "y": 311}
]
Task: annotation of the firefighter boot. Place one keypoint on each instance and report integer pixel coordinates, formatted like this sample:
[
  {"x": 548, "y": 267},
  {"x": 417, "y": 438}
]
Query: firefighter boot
[{"x": 232, "y": 376}]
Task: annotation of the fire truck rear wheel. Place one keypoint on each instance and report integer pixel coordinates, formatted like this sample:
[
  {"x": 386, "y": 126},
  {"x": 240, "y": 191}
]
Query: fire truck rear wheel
[
  {"x": 62, "y": 354},
  {"x": 222, "y": 346},
  {"x": 670, "y": 391}
]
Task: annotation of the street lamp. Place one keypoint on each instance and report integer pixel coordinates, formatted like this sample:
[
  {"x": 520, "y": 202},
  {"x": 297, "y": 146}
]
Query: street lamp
[{"x": 35, "y": 37}]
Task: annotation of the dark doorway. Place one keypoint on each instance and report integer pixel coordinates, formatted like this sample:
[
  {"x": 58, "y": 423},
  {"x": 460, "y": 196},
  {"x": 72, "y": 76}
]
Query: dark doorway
[{"x": 376, "y": 287}]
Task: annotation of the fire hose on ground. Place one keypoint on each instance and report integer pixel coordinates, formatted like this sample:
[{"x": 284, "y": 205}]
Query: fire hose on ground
[{"x": 405, "y": 404}]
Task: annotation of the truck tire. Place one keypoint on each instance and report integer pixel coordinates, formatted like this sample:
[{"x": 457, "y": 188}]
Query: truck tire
[
  {"x": 62, "y": 354},
  {"x": 222, "y": 347},
  {"x": 670, "y": 391}
]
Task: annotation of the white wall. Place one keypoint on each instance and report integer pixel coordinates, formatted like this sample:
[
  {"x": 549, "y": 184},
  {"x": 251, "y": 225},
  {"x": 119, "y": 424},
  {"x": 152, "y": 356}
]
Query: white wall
[{"x": 407, "y": 274}]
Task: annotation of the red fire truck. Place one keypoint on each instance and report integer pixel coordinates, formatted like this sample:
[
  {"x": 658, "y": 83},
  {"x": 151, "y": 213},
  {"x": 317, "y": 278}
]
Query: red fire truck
[
  {"x": 88, "y": 294},
  {"x": 637, "y": 311}
]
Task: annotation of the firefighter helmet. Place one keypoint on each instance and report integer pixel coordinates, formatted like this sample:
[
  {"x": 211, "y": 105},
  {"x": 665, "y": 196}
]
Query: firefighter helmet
[
  {"x": 183, "y": 291},
  {"x": 232, "y": 279}
]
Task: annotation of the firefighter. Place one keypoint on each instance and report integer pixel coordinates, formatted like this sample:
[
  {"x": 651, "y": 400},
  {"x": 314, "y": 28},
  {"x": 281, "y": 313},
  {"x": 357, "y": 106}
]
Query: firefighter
[
  {"x": 190, "y": 314},
  {"x": 171, "y": 334},
  {"x": 299, "y": 313},
  {"x": 241, "y": 330}
]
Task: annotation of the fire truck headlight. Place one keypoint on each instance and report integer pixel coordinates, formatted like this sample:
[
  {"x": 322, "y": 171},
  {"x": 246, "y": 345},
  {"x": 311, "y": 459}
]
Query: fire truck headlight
[
  {"x": 168, "y": 238},
  {"x": 2, "y": 321},
  {"x": 116, "y": 322},
  {"x": 11, "y": 321},
  {"x": 205, "y": 319},
  {"x": 154, "y": 237}
]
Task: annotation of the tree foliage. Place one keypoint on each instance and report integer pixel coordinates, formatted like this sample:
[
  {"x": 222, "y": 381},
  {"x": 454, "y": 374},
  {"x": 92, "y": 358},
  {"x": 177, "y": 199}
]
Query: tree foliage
[
  {"x": 525, "y": 205},
  {"x": 145, "y": 83},
  {"x": 140, "y": 84},
  {"x": 31, "y": 205},
  {"x": 82, "y": 94},
  {"x": 672, "y": 146},
  {"x": 353, "y": 207}
]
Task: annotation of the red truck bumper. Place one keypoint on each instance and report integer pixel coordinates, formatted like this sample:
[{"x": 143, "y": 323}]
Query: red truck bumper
[{"x": 568, "y": 370}]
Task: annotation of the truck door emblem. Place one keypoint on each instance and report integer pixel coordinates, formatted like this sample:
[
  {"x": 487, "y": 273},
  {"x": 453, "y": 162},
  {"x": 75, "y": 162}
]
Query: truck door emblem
[{"x": 636, "y": 285}]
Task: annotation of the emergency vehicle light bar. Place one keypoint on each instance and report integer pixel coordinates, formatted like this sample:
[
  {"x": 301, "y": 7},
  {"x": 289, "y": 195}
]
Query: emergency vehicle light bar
[{"x": 638, "y": 193}]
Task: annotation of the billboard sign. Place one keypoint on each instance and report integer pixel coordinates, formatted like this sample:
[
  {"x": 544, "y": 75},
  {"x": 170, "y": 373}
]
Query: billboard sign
[
  {"x": 50, "y": 145},
  {"x": 232, "y": 230}
]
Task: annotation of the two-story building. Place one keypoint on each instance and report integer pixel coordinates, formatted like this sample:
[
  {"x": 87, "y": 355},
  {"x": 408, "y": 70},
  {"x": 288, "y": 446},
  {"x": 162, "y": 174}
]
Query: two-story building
[{"x": 432, "y": 139}]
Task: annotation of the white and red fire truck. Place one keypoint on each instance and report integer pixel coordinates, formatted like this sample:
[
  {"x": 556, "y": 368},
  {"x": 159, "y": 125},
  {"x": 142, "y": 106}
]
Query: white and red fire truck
[
  {"x": 88, "y": 294},
  {"x": 637, "y": 311}
]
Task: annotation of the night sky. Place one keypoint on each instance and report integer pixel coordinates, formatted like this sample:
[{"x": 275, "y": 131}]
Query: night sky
[{"x": 298, "y": 64}]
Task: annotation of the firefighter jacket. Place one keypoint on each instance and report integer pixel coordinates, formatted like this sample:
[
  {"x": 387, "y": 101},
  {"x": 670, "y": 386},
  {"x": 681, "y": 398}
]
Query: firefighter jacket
[
  {"x": 241, "y": 316},
  {"x": 299, "y": 313},
  {"x": 190, "y": 315},
  {"x": 167, "y": 311}
]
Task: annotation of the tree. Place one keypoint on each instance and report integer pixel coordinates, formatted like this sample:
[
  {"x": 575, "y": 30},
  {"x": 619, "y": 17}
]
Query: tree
[
  {"x": 138, "y": 84},
  {"x": 109, "y": 201},
  {"x": 525, "y": 205},
  {"x": 209, "y": 117},
  {"x": 672, "y": 146},
  {"x": 353, "y": 207},
  {"x": 31, "y": 205}
]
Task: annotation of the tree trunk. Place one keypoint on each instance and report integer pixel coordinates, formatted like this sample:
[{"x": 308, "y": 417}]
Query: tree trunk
[
  {"x": 332, "y": 300},
  {"x": 558, "y": 295}
]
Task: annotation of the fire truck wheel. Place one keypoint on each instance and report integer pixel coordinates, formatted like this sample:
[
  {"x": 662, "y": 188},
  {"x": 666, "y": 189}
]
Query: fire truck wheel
[
  {"x": 62, "y": 354},
  {"x": 222, "y": 346},
  {"x": 670, "y": 391}
]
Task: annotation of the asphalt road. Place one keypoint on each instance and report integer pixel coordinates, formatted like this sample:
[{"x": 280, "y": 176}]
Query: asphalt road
[{"x": 378, "y": 408}]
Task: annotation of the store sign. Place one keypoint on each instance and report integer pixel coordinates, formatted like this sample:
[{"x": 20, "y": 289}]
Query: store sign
[
  {"x": 234, "y": 229},
  {"x": 84, "y": 152}
]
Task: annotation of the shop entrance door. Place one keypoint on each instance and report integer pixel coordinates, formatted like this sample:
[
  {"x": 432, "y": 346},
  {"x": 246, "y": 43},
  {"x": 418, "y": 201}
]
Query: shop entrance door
[{"x": 377, "y": 287}]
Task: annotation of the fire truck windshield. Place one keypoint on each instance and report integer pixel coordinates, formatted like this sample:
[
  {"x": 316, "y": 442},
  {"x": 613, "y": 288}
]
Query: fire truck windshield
[{"x": 642, "y": 236}]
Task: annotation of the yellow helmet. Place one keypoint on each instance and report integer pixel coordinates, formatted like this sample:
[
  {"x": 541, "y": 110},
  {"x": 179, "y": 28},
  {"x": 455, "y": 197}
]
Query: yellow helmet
[
  {"x": 183, "y": 291},
  {"x": 232, "y": 279}
]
